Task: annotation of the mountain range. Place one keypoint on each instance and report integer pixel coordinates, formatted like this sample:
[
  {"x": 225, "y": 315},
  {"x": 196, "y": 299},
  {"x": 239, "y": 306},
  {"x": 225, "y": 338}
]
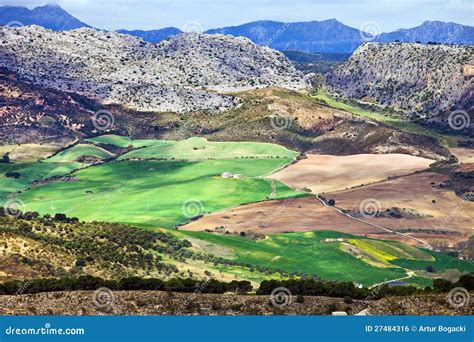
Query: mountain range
[
  {"x": 328, "y": 36},
  {"x": 168, "y": 76}
]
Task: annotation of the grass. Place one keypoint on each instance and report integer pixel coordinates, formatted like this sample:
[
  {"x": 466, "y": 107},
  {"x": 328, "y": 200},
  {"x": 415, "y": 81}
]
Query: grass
[
  {"x": 29, "y": 173},
  {"x": 441, "y": 263},
  {"x": 152, "y": 193},
  {"x": 74, "y": 153},
  {"x": 121, "y": 141},
  {"x": 201, "y": 149},
  {"x": 156, "y": 193},
  {"x": 304, "y": 252},
  {"x": 28, "y": 153},
  {"x": 393, "y": 121}
]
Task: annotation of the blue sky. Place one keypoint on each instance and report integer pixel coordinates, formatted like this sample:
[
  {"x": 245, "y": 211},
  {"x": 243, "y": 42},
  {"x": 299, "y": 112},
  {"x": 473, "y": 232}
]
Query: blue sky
[{"x": 150, "y": 14}]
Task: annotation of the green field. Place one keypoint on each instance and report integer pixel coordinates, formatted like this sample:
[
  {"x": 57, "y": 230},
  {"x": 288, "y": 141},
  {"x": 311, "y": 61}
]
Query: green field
[
  {"x": 184, "y": 183},
  {"x": 200, "y": 149},
  {"x": 30, "y": 172},
  {"x": 153, "y": 193},
  {"x": 121, "y": 141},
  {"x": 305, "y": 252},
  {"x": 74, "y": 153},
  {"x": 161, "y": 184}
]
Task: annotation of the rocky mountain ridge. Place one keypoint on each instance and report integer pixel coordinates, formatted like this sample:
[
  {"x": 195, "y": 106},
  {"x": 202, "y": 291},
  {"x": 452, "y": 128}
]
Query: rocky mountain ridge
[
  {"x": 182, "y": 74},
  {"x": 416, "y": 78},
  {"x": 431, "y": 31}
]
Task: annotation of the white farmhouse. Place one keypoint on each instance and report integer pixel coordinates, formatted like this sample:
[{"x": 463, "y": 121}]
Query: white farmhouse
[{"x": 227, "y": 175}]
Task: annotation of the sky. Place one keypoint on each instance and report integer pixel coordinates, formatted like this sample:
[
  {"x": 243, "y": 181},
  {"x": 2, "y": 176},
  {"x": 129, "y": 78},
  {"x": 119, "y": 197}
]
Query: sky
[{"x": 387, "y": 15}]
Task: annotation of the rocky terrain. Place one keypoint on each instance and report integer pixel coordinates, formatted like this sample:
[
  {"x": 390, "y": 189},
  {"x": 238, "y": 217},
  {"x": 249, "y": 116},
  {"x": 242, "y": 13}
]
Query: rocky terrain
[
  {"x": 418, "y": 305},
  {"x": 170, "y": 303},
  {"x": 416, "y": 78},
  {"x": 180, "y": 75},
  {"x": 165, "y": 303}
]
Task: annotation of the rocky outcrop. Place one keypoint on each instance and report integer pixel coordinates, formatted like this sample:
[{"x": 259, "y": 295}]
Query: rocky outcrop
[
  {"x": 416, "y": 78},
  {"x": 165, "y": 303},
  {"x": 170, "y": 303},
  {"x": 181, "y": 74},
  {"x": 439, "y": 304}
]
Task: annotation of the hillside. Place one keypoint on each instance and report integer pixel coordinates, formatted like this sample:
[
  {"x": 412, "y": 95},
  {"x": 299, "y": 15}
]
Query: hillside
[
  {"x": 416, "y": 78},
  {"x": 31, "y": 113},
  {"x": 181, "y": 74}
]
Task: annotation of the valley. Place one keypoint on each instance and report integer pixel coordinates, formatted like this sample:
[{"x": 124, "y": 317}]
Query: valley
[
  {"x": 233, "y": 202},
  {"x": 160, "y": 163}
]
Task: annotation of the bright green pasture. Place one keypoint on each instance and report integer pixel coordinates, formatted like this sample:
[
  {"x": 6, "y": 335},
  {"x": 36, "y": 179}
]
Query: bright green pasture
[
  {"x": 441, "y": 263},
  {"x": 154, "y": 193},
  {"x": 29, "y": 173},
  {"x": 201, "y": 149}
]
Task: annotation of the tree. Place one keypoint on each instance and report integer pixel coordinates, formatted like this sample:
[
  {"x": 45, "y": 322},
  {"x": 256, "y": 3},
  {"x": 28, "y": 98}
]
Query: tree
[{"x": 5, "y": 159}]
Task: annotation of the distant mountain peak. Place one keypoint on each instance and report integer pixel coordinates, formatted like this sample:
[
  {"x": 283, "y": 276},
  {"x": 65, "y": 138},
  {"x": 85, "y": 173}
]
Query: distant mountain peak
[
  {"x": 50, "y": 16},
  {"x": 432, "y": 31}
]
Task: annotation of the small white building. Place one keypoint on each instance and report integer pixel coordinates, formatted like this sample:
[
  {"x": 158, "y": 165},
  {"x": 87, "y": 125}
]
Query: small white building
[
  {"x": 237, "y": 176},
  {"x": 227, "y": 175}
]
